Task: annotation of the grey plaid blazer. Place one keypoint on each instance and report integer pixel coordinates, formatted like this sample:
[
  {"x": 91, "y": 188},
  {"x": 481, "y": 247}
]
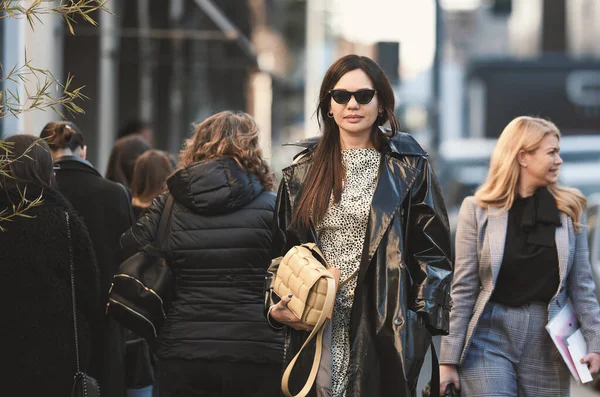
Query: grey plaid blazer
[{"x": 479, "y": 246}]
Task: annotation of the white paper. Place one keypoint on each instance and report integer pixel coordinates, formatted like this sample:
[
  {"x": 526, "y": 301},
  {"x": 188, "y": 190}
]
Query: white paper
[
  {"x": 578, "y": 349},
  {"x": 563, "y": 325}
]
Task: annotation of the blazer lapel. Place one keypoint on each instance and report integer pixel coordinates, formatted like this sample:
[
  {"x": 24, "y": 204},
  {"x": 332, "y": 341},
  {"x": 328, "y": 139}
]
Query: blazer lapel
[
  {"x": 497, "y": 227},
  {"x": 562, "y": 246},
  {"x": 393, "y": 184}
]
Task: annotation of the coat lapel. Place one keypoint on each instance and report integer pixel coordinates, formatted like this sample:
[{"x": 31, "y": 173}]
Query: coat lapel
[
  {"x": 562, "y": 246},
  {"x": 393, "y": 184},
  {"x": 497, "y": 227},
  {"x": 294, "y": 176}
]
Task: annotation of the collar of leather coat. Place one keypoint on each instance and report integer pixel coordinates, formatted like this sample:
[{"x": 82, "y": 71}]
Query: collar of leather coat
[{"x": 394, "y": 180}]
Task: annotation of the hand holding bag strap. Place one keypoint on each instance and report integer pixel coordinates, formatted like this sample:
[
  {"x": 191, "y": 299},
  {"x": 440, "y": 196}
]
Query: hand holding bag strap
[{"x": 318, "y": 331}]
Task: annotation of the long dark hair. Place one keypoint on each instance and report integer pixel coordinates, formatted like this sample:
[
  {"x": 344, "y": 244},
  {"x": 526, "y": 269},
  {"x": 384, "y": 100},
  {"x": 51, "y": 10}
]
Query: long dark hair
[
  {"x": 123, "y": 157},
  {"x": 150, "y": 173},
  {"x": 30, "y": 162},
  {"x": 327, "y": 173},
  {"x": 62, "y": 135}
]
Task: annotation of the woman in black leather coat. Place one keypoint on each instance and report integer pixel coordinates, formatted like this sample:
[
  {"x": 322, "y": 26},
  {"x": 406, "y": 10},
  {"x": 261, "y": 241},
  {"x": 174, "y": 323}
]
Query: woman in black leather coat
[
  {"x": 215, "y": 342},
  {"x": 368, "y": 196}
]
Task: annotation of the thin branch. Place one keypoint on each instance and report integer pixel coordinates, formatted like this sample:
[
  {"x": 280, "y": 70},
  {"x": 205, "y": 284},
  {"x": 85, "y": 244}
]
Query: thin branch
[
  {"x": 24, "y": 205},
  {"x": 67, "y": 10},
  {"x": 11, "y": 103}
]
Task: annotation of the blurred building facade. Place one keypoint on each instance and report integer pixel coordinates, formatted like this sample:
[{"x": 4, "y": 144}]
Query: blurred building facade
[
  {"x": 169, "y": 63},
  {"x": 172, "y": 63},
  {"x": 505, "y": 58}
]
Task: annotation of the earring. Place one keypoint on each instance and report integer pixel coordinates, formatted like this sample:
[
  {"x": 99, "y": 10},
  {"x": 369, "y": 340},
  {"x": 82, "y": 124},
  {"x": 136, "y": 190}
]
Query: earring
[
  {"x": 330, "y": 115},
  {"x": 381, "y": 113},
  {"x": 524, "y": 165}
]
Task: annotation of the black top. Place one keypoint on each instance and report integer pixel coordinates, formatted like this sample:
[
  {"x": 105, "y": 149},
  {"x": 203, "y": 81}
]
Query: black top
[
  {"x": 37, "y": 324},
  {"x": 106, "y": 211},
  {"x": 529, "y": 271},
  {"x": 138, "y": 211}
]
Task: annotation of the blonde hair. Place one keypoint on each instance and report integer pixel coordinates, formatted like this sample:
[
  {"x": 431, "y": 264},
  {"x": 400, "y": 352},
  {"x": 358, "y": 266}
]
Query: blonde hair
[
  {"x": 228, "y": 134},
  {"x": 500, "y": 187}
]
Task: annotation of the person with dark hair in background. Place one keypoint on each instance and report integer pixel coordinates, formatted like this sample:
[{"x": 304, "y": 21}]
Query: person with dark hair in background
[
  {"x": 139, "y": 128},
  {"x": 37, "y": 335},
  {"x": 149, "y": 180},
  {"x": 149, "y": 176},
  {"x": 106, "y": 210},
  {"x": 122, "y": 159},
  {"x": 369, "y": 198},
  {"x": 214, "y": 341}
]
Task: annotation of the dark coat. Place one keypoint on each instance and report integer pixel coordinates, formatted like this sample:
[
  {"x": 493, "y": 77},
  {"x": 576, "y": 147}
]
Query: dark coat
[
  {"x": 220, "y": 248},
  {"x": 106, "y": 210},
  {"x": 404, "y": 276},
  {"x": 37, "y": 341}
]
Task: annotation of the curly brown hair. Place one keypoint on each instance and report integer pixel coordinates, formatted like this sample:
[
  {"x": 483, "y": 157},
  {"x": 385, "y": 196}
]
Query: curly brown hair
[{"x": 228, "y": 134}]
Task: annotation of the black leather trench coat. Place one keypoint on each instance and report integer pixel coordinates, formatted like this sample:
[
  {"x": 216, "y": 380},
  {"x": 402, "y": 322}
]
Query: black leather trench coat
[{"x": 402, "y": 296}]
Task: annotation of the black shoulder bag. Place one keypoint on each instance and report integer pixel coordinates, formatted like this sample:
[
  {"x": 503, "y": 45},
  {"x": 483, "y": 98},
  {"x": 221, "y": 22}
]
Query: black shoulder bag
[
  {"x": 141, "y": 291},
  {"x": 83, "y": 385}
]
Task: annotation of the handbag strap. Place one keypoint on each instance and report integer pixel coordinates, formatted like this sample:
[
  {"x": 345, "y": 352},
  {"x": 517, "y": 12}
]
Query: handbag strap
[
  {"x": 164, "y": 226},
  {"x": 317, "y": 331},
  {"x": 72, "y": 267}
]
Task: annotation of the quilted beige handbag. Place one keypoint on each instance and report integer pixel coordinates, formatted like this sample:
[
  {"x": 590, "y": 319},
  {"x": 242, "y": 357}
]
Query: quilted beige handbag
[{"x": 303, "y": 273}]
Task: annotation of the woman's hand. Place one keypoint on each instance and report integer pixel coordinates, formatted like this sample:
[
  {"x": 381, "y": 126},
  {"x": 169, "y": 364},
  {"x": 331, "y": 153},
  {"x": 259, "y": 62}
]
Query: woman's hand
[
  {"x": 448, "y": 374},
  {"x": 593, "y": 362},
  {"x": 280, "y": 313}
]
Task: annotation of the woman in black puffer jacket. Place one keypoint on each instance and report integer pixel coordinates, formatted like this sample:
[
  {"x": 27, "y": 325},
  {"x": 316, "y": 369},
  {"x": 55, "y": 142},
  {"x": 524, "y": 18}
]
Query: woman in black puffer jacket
[{"x": 215, "y": 340}]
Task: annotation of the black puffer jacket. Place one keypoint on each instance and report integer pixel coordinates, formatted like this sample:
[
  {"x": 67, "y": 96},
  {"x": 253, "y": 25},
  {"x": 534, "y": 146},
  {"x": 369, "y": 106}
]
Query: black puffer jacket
[{"x": 221, "y": 247}]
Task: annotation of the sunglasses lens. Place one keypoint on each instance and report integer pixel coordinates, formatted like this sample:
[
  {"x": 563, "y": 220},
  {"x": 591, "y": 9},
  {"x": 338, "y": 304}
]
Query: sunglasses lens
[
  {"x": 364, "y": 96},
  {"x": 341, "y": 96}
]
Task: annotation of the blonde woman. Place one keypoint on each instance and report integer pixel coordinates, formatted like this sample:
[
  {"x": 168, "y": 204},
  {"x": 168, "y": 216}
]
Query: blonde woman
[{"x": 521, "y": 255}]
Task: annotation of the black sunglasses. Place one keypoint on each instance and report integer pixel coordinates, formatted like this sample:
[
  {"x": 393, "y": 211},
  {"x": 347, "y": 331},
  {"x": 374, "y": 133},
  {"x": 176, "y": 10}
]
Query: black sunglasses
[{"x": 362, "y": 96}]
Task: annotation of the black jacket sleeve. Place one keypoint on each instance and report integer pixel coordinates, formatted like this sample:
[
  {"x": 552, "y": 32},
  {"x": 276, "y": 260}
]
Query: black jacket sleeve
[
  {"x": 281, "y": 219},
  {"x": 429, "y": 252},
  {"x": 144, "y": 231}
]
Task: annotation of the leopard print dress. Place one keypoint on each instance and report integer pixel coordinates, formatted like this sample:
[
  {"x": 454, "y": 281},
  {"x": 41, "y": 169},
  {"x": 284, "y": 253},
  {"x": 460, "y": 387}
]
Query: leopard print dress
[{"x": 341, "y": 235}]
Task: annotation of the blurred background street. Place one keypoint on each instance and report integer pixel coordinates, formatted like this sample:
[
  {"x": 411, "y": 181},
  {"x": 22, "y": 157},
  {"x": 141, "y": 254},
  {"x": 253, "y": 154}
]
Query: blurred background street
[{"x": 461, "y": 70}]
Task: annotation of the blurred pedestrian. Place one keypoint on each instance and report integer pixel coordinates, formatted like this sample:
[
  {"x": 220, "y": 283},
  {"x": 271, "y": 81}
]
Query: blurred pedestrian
[
  {"x": 139, "y": 128},
  {"x": 37, "y": 336},
  {"x": 368, "y": 196},
  {"x": 215, "y": 341},
  {"x": 149, "y": 176},
  {"x": 123, "y": 157},
  {"x": 521, "y": 255},
  {"x": 106, "y": 210}
]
